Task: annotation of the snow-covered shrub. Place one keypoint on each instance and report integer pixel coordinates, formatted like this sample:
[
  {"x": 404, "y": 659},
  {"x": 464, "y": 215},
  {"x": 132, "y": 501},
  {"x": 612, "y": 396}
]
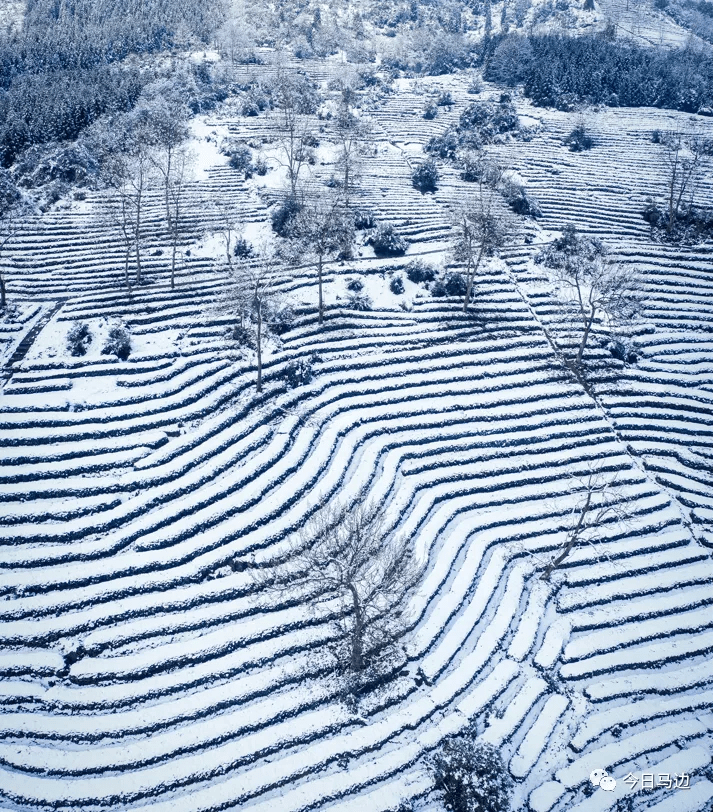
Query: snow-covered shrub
[
  {"x": 579, "y": 139},
  {"x": 79, "y": 338},
  {"x": 359, "y": 301},
  {"x": 470, "y": 775},
  {"x": 455, "y": 284},
  {"x": 118, "y": 343},
  {"x": 430, "y": 110},
  {"x": 298, "y": 373},
  {"x": 280, "y": 319},
  {"x": 443, "y": 146},
  {"x": 445, "y": 99},
  {"x": 355, "y": 285},
  {"x": 622, "y": 352},
  {"x": 438, "y": 289},
  {"x": 489, "y": 120},
  {"x": 396, "y": 285},
  {"x": 364, "y": 220},
  {"x": 241, "y": 158},
  {"x": 425, "y": 177},
  {"x": 243, "y": 249},
  {"x": 386, "y": 242},
  {"x": 260, "y": 166},
  {"x": 418, "y": 271},
  {"x": 284, "y": 218},
  {"x": 244, "y": 336},
  {"x": 520, "y": 202}
]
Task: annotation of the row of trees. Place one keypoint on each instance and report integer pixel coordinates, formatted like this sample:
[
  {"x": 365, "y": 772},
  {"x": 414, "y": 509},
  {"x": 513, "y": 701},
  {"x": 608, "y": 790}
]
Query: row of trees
[{"x": 559, "y": 71}]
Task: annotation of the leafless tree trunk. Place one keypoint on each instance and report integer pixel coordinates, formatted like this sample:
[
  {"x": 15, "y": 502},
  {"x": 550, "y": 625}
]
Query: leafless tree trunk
[
  {"x": 598, "y": 505},
  {"x": 479, "y": 231},
  {"x": 345, "y": 553},
  {"x": 9, "y": 228},
  {"x": 295, "y": 133},
  {"x": 324, "y": 227}
]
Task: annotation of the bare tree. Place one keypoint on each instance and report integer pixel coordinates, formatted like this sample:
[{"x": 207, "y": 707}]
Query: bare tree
[
  {"x": 172, "y": 161},
  {"x": 324, "y": 227},
  {"x": 597, "y": 505},
  {"x": 596, "y": 285},
  {"x": 345, "y": 553},
  {"x": 250, "y": 296},
  {"x": 480, "y": 231},
  {"x": 9, "y": 229},
  {"x": 684, "y": 153},
  {"x": 129, "y": 176},
  {"x": 295, "y": 129},
  {"x": 228, "y": 225},
  {"x": 353, "y": 136}
]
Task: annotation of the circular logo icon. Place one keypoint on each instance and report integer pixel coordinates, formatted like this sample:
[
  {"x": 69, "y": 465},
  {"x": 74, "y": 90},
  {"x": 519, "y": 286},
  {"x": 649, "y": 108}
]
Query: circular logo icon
[
  {"x": 608, "y": 784},
  {"x": 596, "y": 776}
]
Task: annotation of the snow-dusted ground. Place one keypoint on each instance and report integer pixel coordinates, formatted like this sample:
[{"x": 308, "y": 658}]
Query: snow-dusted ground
[{"x": 141, "y": 671}]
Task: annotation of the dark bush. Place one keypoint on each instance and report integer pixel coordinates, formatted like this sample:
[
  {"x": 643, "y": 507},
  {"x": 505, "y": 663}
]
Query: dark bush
[
  {"x": 284, "y": 218},
  {"x": 443, "y": 146},
  {"x": 620, "y": 351},
  {"x": 118, "y": 343},
  {"x": 298, "y": 373},
  {"x": 439, "y": 289},
  {"x": 364, "y": 220},
  {"x": 396, "y": 285},
  {"x": 417, "y": 271},
  {"x": 425, "y": 177},
  {"x": 244, "y": 336},
  {"x": 520, "y": 202},
  {"x": 243, "y": 249},
  {"x": 386, "y": 242},
  {"x": 79, "y": 338},
  {"x": 471, "y": 775},
  {"x": 261, "y": 167},
  {"x": 455, "y": 284},
  {"x": 444, "y": 99},
  {"x": 241, "y": 158},
  {"x": 355, "y": 285},
  {"x": 579, "y": 139},
  {"x": 430, "y": 111}
]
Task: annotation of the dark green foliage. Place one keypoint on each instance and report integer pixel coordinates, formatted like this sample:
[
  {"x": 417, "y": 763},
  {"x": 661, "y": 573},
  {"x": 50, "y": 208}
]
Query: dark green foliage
[
  {"x": 579, "y": 139},
  {"x": 516, "y": 196},
  {"x": 417, "y": 271},
  {"x": 364, "y": 220},
  {"x": 79, "y": 338},
  {"x": 298, "y": 373},
  {"x": 430, "y": 110},
  {"x": 118, "y": 343},
  {"x": 565, "y": 71},
  {"x": 396, "y": 285},
  {"x": 691, "y": 224},
  {"x": 425, "y": 177},
  {"x": 243, "y": 249},
  {"x": 455, "y": 284},
  {"x": 471, "y": 776},
  {"x": 241, "y": 158},
  {"x": 480, "y": 123},
  {"x": 386, "y": 242},
  {"x": 444, "y": 146},
  {"x": 285, "y": 217}
]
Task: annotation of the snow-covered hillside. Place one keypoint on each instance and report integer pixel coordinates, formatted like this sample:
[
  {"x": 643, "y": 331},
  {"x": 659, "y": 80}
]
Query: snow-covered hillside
[{"x": 142, "y": 669}]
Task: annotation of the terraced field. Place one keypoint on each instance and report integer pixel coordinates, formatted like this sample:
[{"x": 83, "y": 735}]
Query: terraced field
[{"x": 143, "y": 667}]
